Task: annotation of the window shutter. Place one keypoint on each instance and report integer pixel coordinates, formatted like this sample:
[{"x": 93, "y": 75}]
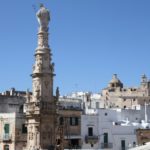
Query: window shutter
[
  {"x": 6, "y": 128},
  {"x": 76, "y": 121},
  {"x": 70, "y": 120}
]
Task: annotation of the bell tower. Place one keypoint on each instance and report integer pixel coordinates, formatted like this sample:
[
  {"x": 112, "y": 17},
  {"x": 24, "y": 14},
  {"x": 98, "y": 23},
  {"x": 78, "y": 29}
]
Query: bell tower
[{"x": 41, "y": 106}]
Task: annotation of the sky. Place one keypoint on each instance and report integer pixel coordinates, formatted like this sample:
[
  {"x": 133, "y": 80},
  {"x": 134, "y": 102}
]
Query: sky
[{"x": 90, "y": 40}]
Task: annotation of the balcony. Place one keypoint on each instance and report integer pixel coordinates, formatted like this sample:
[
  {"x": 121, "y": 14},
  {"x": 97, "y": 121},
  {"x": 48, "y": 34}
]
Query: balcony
[
  {"x": 106, "y": 145},
  {"x": 7, "y": 137},
  {"x": 124, "y": 148},
  {"x": 72, "y": 136},
  {"x": 89, "y": 139},
  {"x": 72, "y": 147}
]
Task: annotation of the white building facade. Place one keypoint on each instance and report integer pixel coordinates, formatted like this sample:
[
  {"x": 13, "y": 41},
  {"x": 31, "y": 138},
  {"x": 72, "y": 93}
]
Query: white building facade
[{"x": 111, "y": 129}]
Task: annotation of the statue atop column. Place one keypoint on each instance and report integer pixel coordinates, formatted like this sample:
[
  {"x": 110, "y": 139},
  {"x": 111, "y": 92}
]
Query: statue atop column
[{"x": 43, "y": 17}]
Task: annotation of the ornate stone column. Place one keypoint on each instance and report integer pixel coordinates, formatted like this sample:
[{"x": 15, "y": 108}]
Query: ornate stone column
[{"x": 41, "y": 108}]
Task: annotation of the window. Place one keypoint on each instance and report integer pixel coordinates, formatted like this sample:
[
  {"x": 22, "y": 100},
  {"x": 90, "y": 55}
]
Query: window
[
  {"x": 88, "y": 98},
  {"x": 61, "y": 121},
  {"x": 24, "y": 128},
  {"x": 6, "y": 147},
  {"x": 6, "y": 128},
  {"x": 90, "y": 131},
  {"x": 74, "y": 121},
  {"x": 58, "y": 142},
  {"x": 106, "y": 114},
  {"x": 97, "y": 105},
  {"x": 21, "y": 109},
  {"x": 74, "y": 143}
]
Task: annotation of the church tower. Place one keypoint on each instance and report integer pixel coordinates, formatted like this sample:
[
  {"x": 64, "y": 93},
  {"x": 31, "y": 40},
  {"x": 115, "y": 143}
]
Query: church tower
[{"x": 41, "y": 106}]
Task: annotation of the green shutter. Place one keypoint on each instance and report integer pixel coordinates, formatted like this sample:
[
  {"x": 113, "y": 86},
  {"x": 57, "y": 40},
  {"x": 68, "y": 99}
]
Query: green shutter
[
  {"x": 24, "y": 128},
  {"x": 6, "y": 128},
  {"x": 123, "y": 144},
  {"x": 106, "y": 138},
  {"x": 76, "y": 121},
  {"x": 6, "y": 147}
]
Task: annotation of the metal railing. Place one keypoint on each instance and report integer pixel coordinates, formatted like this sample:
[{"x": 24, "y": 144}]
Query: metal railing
[
  {"x": 106, "y": 145},
  {"x": 72, "y": 147},
  {"x": 93, "y": 138},
  {"x": 6, "y": 137},
  {"x": 123, "y": 148}
]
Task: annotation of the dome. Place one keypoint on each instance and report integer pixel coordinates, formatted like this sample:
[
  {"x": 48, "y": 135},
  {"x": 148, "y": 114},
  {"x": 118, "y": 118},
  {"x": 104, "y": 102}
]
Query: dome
[
  {"x": 115, "y": 82},
  {"x": 115, "y": 79}
]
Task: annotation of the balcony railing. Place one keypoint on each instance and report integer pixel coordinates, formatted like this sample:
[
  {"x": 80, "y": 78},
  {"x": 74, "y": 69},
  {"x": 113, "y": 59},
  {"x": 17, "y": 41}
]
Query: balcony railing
[
  {"x": 89, "y": 139},
  {"x": 124, "y": 148},
  {"x": 106, "y": 145},
  {"x": 72, "y": 147},
  {"x": 7, "y": 137}
]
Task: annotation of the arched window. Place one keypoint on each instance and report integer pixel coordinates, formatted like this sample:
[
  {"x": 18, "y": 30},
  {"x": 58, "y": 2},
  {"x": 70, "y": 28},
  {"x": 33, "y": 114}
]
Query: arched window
[
  {"x": 6, "y": 147},
  {"x": 113, "y": 85}
]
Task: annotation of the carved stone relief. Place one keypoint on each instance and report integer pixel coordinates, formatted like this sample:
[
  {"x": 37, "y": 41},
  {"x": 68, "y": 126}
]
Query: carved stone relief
[
  {"x": 46, "y": 84},
  {"x": 40, "y": 41},
  {"x": 38, "y": 65},
  {"x": 37, "y": 94},
  {"x": 43, "y": 40},
  {"x": 30, "y": 135},
  {"x": 39, "y": 58},
  {"x": 46, "y": 57},
  {"x": 30, "y": 132},
  {"x": 36, "y": 90},
  {"x": 37, "y": 135},
  {"x": 52, "y": 67},
  {"x": 46, "y": 62}
]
